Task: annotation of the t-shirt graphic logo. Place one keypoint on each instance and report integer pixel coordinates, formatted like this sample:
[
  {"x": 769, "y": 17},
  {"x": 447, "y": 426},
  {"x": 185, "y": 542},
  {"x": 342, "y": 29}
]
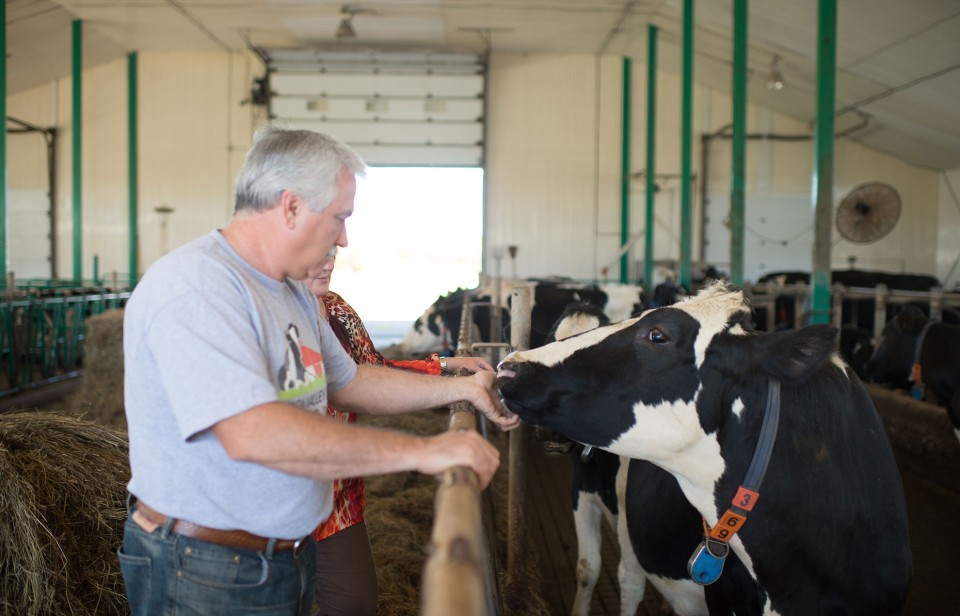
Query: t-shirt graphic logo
[{"x": 302, "y": 371}]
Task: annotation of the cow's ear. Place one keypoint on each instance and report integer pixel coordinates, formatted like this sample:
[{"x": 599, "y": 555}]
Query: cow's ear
[{"x": 793, "y": 355}]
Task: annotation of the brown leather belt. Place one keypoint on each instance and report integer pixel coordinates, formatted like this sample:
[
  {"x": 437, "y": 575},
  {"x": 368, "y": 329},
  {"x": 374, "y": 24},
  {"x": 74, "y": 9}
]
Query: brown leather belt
[{"x": 229, "y": 538}]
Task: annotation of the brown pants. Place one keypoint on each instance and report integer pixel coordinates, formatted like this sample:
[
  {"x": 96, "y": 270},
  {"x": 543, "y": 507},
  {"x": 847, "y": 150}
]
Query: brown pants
[{"x": 346, "y": 574}]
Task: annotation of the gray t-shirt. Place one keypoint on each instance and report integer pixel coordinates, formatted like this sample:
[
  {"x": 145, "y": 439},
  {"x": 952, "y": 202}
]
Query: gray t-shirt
[{"x": 206, "y": 336}]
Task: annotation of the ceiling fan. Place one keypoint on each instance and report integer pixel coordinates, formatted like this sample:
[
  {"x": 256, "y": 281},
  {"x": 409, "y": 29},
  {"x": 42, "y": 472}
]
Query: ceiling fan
[{"x": 869, "y": 212}]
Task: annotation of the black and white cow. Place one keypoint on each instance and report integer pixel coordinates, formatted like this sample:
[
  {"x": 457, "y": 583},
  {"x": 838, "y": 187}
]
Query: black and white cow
[
  {"x": 659, "y": 532},
  {"x": 438, "y": 329},
  {"x": 912, "y": 339},
  {"x": 688, "y": 387}
]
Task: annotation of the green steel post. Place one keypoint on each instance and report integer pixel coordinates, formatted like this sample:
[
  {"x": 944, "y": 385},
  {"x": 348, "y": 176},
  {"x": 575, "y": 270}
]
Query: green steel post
[
  {"x": 823, "y": 159},
  {"x": 77, "y": 151},
  {"x": 132, "y": 179},
  {"x": 651, "y": 156},
  {"x": 625, "y": 175},
  {"x": 739, "y": 150},
  {"x": 96, "y": 269},
  {"x": 3, "y": 148},
  {"x": 686, "y": 159}
]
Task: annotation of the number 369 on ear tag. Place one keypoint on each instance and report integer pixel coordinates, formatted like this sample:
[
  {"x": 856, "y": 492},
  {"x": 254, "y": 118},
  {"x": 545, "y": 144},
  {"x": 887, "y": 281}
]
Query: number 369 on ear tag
[{"x": 706, "y": 564}]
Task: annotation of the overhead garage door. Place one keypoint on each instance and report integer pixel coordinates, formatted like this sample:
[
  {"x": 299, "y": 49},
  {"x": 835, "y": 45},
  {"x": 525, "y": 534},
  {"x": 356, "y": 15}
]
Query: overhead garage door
[{"x": 394, "y": 108}]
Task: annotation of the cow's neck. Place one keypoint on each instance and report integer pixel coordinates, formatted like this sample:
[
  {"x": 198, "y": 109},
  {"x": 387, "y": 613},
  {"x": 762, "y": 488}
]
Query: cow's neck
[{"x": 697, "y": 471}]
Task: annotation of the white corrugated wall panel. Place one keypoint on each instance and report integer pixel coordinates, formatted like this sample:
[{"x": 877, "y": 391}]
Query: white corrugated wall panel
[
  {"x": 948, "y": 230},
  {"x": 541, "y": 149}
]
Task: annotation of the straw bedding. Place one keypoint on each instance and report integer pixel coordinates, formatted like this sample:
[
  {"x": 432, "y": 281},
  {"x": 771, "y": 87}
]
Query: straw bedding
[{"x": 62, "y": 499}]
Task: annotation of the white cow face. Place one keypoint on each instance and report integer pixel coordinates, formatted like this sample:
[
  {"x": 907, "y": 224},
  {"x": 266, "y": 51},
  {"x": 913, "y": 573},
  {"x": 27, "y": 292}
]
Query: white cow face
[
  {"x": 426, "y": 334},
  {"x": 636, "y": 388}
]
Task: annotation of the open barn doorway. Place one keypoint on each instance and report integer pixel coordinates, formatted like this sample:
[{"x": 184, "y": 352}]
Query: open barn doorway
[{"x": 416, "y": 234}]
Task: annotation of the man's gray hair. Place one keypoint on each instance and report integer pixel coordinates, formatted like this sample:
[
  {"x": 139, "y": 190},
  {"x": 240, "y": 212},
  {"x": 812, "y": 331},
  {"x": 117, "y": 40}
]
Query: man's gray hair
[{"x": 301, "y": 161}]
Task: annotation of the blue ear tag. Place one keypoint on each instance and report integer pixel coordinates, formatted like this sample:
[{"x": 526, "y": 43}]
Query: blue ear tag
[
  {"x": 706, "y": 564},
  {"x": 918, "y": 392}
]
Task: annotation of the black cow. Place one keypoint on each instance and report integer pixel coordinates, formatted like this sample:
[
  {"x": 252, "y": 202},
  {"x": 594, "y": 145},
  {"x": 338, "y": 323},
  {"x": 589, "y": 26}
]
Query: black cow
[
  {"x": 438, "y": 328},
  {"x": 938, "y": 368},
  {"x": 688, "y": 387},
  {"x": 855, "y": 312},
  {"x": 550, "y": 299}
]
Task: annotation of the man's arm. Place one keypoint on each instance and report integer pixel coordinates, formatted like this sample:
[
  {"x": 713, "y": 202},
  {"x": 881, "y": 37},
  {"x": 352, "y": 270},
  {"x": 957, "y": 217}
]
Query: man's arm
[
  {"x": 384, "y": 391},
  {"x": 289, "y": 439}
]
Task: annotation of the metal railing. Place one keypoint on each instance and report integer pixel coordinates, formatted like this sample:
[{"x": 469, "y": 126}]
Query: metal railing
[
  {"x": 42, "y": 338},
  {"x": 766, "y": 296}
]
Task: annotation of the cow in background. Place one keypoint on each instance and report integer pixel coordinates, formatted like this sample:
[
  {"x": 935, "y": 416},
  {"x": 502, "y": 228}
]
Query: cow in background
[
  {"x": 859, "y": 313},
  {"x": 916, "y": 352},
  {"x": 593, "y": 493},
  {"x": 438, "y": 328},
  {"x": 688, "y": 388}
]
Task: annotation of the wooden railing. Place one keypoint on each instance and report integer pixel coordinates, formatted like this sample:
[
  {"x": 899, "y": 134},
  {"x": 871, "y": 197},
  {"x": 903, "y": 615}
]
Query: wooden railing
[{"x": 462, "y": 574}]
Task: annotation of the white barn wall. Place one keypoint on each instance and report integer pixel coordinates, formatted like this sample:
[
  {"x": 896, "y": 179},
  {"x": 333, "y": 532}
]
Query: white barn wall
[
  {"x": 27, "y": 181},
  {"x": 193, "y": 133},
  {"x": 552, "y": 176},
  {"x": 543, "y": 126},
  {"x": 541, "y": 170},
  {"x": 105, "y": 196},
  {"x": 948, "y": 230}
]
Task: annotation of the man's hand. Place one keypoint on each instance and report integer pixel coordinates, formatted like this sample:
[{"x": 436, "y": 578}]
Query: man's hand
[
  {"x": 466, "y": 448},
  {"x": 482, "y": 396}
]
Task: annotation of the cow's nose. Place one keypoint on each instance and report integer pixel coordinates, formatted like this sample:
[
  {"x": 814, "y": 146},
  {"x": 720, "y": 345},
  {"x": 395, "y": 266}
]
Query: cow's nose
[{"x": 506, "y": 370}]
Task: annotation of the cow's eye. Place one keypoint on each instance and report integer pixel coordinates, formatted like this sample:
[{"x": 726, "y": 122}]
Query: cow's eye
[{"x": 657, "y": 337}]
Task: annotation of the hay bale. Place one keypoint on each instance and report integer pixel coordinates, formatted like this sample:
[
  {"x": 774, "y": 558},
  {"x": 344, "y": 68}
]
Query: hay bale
[
  {"x": 62, "y": 509},
  {"x": 100, "y": 395}
]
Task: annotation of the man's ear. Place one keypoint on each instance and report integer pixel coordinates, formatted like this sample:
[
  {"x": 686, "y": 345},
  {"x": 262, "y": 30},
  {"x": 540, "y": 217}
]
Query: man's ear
[{"x": 290, "y": 205}]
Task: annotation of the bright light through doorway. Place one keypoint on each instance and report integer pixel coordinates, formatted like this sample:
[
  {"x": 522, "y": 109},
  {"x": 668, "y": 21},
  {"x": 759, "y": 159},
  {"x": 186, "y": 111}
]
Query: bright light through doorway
[{"x": 415, "y": 234}]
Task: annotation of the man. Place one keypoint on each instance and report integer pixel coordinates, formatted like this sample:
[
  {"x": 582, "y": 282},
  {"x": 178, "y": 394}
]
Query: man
[{"x": 227, "y": 376}]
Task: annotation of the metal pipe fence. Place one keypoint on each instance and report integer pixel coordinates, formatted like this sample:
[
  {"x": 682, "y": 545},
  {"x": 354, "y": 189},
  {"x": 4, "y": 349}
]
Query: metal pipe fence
[
  {"x": 42, "y": 338},
  {"x": 766, "y": 295}
]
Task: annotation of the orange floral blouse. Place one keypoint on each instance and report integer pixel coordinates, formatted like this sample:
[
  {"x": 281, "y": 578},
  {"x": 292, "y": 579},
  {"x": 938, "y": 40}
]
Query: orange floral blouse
[{"x": 349, "y": 497}]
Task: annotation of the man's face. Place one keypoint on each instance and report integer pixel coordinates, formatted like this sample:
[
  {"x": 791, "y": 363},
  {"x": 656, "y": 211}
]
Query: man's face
[{"x": 319, "y": 233}]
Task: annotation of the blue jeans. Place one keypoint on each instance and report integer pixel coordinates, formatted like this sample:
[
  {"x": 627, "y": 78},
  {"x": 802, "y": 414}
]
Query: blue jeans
[{"x": 166, "y": 573}]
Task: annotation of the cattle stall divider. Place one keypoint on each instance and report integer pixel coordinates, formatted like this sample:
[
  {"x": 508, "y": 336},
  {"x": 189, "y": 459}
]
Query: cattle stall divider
[
  {"x": 42, "y": 337},
  {"x": 766, "y": 295},
  {"x": 461, "y": 575}
]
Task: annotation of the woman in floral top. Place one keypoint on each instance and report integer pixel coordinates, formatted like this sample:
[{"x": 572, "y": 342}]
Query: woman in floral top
[{"x": 346, "y": 574}]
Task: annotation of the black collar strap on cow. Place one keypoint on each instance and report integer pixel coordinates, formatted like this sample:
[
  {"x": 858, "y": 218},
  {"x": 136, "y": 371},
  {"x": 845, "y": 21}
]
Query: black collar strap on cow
[
  {"x": 706, "y": 563},
  {"x": 919, "y": 390}
]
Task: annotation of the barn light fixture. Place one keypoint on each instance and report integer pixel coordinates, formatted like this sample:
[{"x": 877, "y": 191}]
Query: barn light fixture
[
  {"x": 775, "y": 79},
  {"x": 345, "y": 29}
]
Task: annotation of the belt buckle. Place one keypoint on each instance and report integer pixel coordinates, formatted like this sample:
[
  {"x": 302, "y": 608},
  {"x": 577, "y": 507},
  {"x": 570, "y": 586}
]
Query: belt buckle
[{"x": 298, "y": 546}]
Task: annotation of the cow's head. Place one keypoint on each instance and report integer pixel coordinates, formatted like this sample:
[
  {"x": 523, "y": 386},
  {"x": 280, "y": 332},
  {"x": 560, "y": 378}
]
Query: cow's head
[
  {"x": 653, "y": 386},
  {"x": 892, "y": 360},
  {"x": 426, "y": 335}
]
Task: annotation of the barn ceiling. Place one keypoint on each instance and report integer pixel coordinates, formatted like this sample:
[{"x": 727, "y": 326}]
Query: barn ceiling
[{"x": 898, "y": 63}]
